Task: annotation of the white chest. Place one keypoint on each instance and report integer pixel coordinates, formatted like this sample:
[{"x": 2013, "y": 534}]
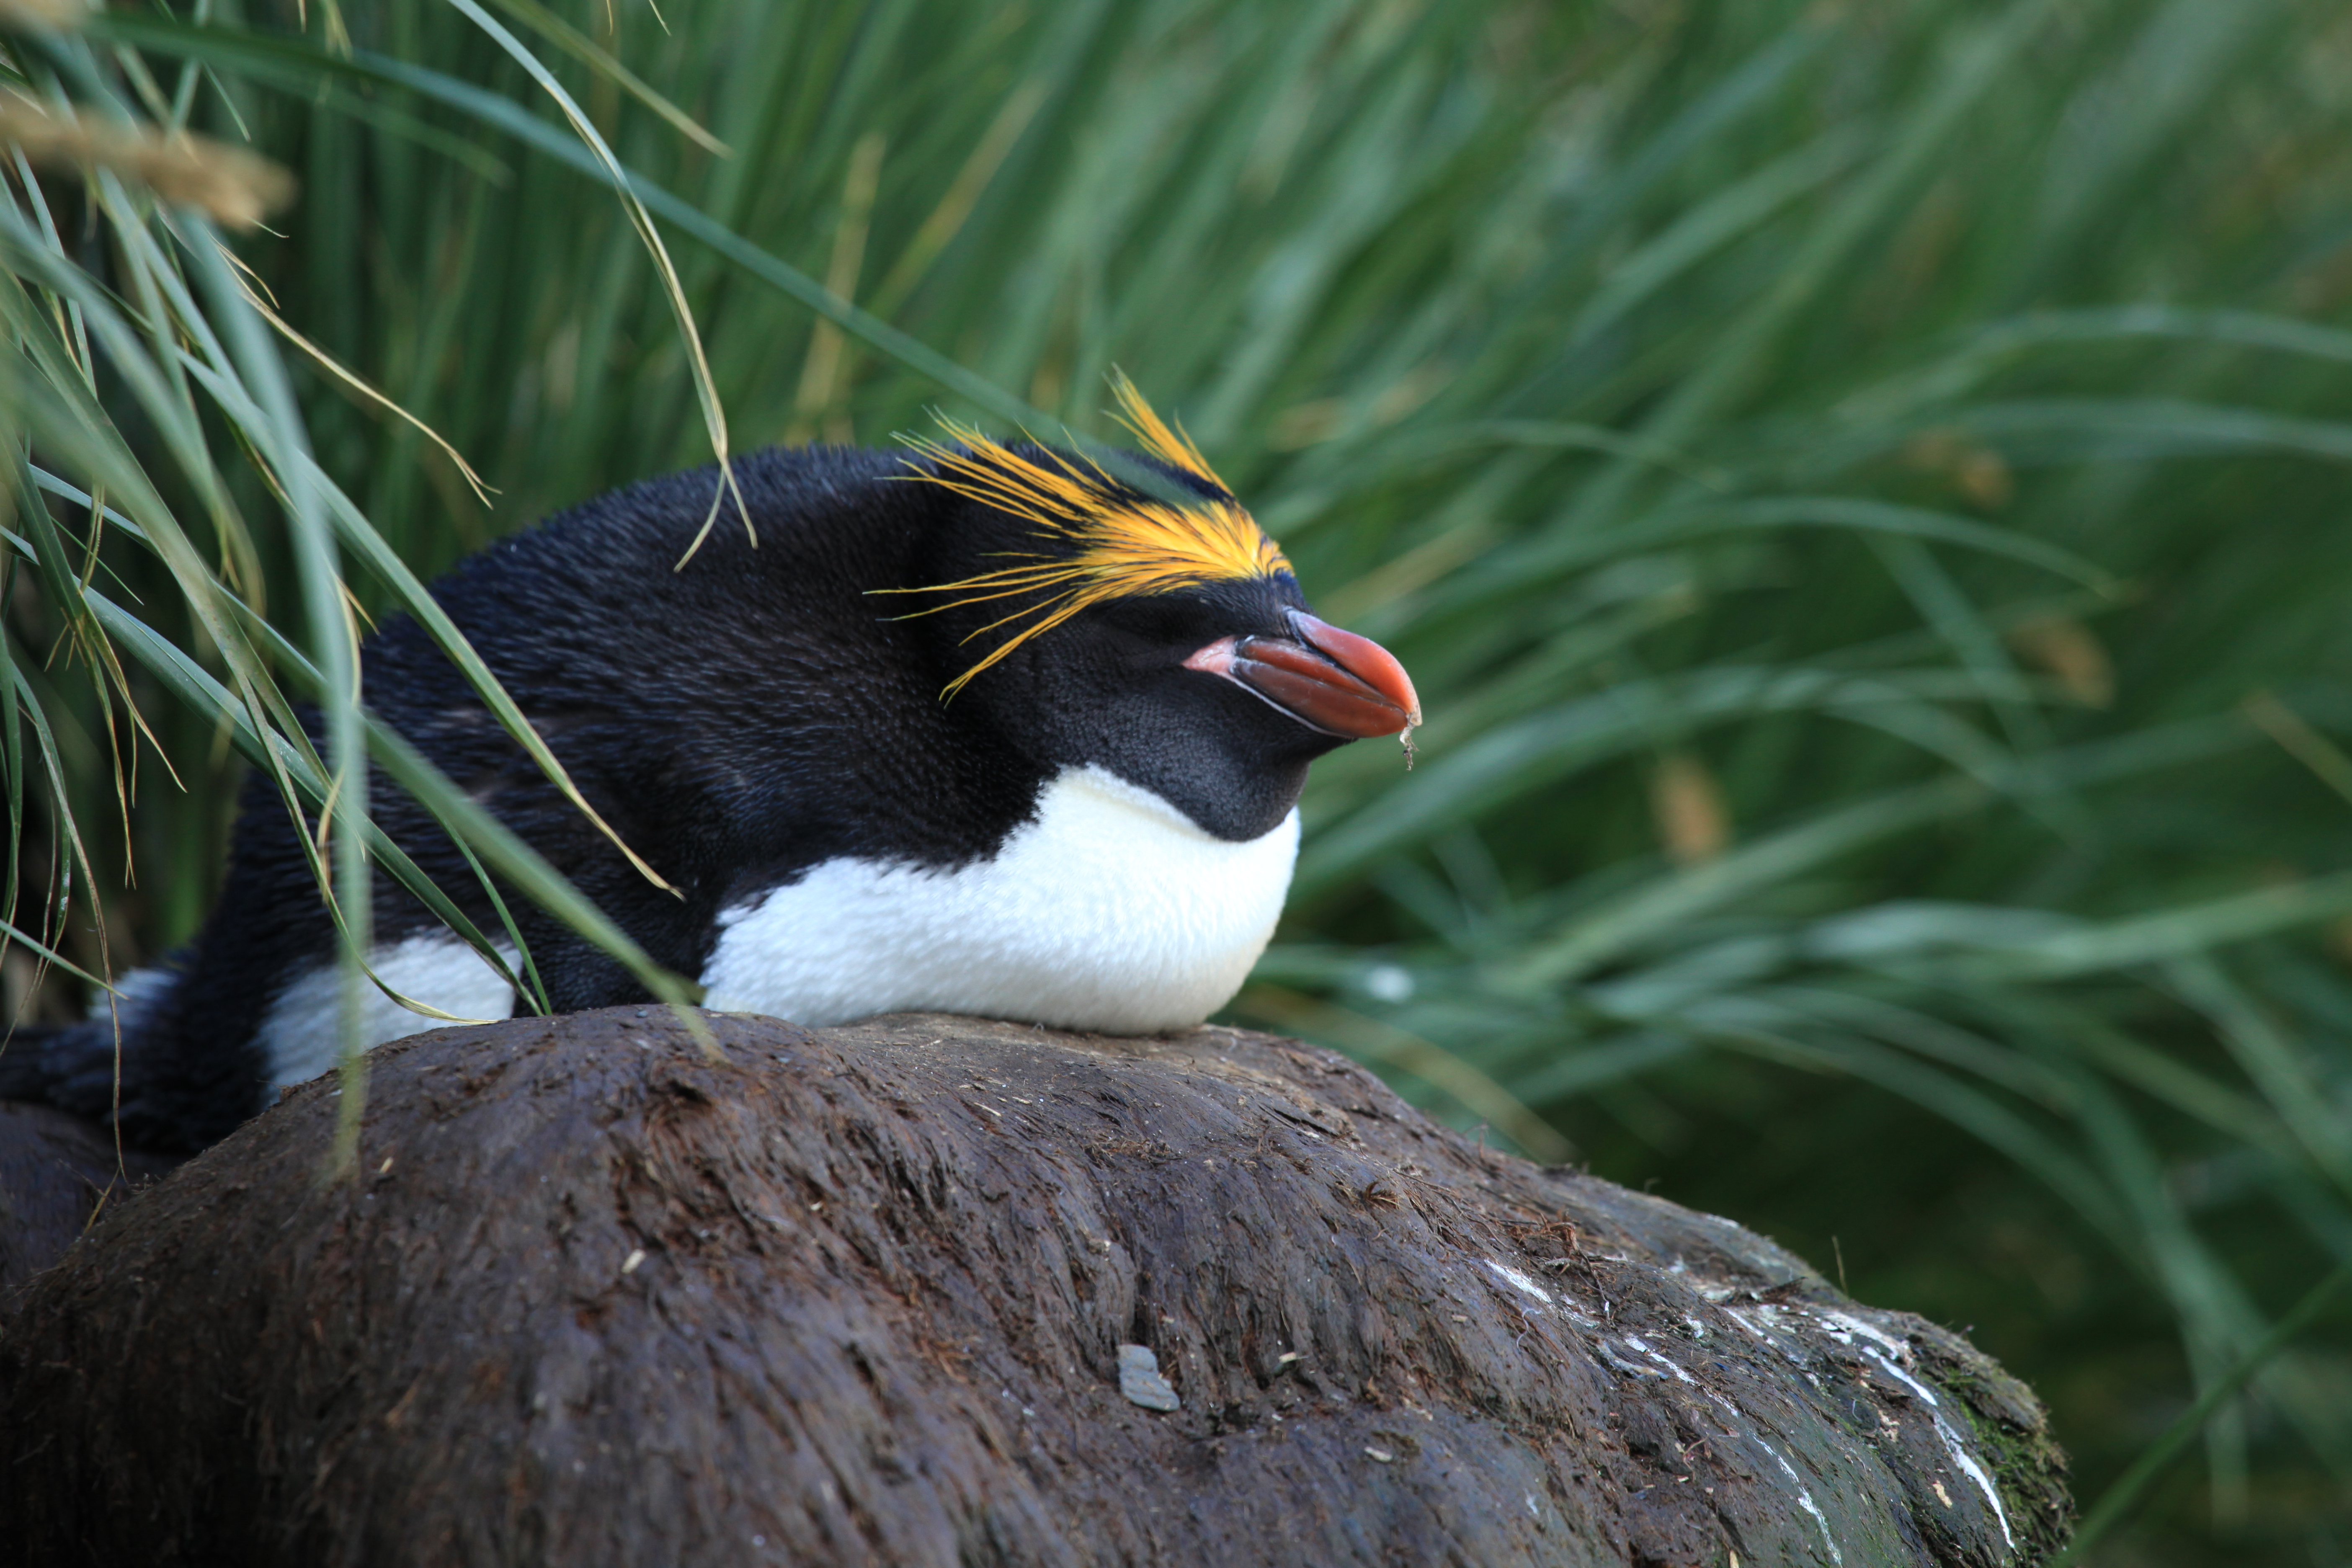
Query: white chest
[
  {"x": 301, "y": 1034},
  {"x": 1110, "y": 911}
]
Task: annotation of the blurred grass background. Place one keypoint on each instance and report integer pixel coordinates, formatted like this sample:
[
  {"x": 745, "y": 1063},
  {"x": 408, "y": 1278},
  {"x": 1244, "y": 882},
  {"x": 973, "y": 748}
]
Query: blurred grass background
[{"x": 1862, "y": 490}]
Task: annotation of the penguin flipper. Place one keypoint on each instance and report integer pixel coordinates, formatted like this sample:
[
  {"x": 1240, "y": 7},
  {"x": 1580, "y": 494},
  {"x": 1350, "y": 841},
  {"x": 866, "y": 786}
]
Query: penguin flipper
[
  {"x": 70, "y": 1065},
  {"x": 24, "y": 1061},
  {"x": 108, "y": 1066}
]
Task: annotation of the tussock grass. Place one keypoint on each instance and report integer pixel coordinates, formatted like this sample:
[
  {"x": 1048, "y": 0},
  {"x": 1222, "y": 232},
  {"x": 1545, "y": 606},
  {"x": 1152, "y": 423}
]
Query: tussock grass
[{"x": 1860, "y": 491}]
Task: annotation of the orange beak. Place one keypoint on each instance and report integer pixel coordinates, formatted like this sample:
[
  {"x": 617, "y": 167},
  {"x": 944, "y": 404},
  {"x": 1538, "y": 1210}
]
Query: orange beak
[{"x": 1326, "y": 679}]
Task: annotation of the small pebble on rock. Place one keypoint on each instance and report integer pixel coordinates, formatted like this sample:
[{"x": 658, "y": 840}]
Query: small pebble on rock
[{"x": 1140, "y": 1380}]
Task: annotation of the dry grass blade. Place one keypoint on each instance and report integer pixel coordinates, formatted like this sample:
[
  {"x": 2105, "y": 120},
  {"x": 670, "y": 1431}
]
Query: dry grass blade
[
  {"x": 43, "y": 16},
  {"x": 2306, "y": 745},
  {"x": 229, "y": 184},
  {"x": 955, "y": 205},
  {"x": 359, "y": 385},
  {"x": 581, "y": 47},
  {"x": 706, "y": 390}
]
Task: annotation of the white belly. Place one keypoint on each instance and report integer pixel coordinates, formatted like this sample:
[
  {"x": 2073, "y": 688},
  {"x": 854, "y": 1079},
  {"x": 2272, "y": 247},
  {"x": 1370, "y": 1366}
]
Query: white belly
[
  {"x": 1110, "y": 911},
  {"x": 301, "y": 1033}
]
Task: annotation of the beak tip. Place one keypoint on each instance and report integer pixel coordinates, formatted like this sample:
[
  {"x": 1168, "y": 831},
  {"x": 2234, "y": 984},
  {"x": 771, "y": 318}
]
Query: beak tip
[{"x": 1365, "y": 659}]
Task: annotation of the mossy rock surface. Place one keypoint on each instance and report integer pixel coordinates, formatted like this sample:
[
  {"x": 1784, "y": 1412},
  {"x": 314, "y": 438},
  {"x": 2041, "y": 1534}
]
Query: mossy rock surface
[{"x": 859, "y": 1295}]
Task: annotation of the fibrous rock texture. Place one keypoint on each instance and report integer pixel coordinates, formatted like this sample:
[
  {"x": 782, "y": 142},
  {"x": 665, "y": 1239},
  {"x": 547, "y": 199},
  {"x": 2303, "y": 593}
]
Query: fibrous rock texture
[
  {"x": 859, "y": 1296},
  {"x": 56, "y": 1171}
]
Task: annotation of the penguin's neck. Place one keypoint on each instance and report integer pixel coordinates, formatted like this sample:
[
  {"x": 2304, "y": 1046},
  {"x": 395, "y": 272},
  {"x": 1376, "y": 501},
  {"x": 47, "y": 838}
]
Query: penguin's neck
[{"x": 1107, "y": 909}]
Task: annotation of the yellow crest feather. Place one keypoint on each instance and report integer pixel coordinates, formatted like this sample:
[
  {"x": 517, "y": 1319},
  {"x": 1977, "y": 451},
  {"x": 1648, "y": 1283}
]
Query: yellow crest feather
[
  {"x": 1171, "y": 447},
  {"x": 1112, "y": 543}
]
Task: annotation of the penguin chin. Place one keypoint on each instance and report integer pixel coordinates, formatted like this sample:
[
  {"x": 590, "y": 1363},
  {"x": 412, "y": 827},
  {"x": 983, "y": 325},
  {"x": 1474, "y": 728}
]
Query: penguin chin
[
  {"x": 1222, "y": 785},
  {"x": 1230, "y": 763}
]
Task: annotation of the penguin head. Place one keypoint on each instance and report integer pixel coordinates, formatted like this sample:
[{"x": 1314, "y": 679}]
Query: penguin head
[{"x": 1165, "y": 640}]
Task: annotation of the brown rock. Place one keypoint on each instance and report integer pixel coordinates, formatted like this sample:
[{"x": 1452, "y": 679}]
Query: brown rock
[
  {"x": 857, "y": 1296},
  {"x": 56, "y": 1172}
]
